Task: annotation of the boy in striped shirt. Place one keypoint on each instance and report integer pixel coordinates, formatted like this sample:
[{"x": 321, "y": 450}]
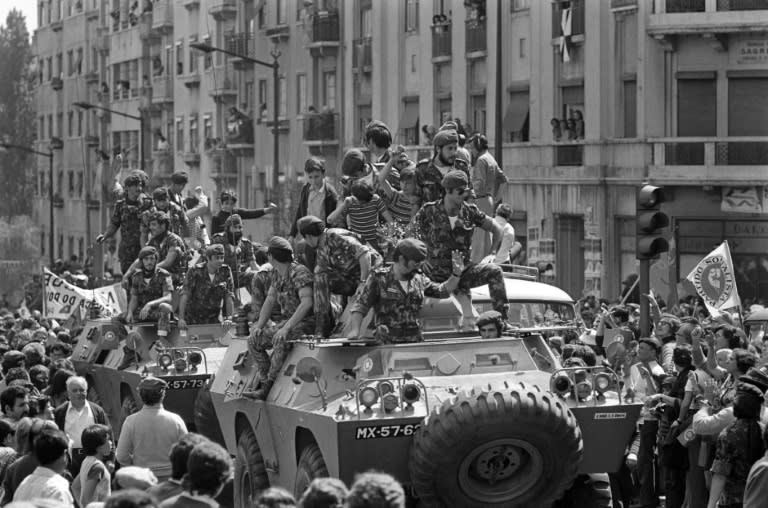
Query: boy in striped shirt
[{"x": 362, "y": 212}]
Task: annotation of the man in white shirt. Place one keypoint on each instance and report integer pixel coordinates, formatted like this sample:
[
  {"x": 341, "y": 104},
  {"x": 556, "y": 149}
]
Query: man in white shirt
[
  {"x": 46, "y": 481},
  {"x": 509, "y": 248},
  {"x": 147, "y": 436}
]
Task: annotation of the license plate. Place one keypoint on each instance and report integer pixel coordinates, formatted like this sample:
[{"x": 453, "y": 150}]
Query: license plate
[{"x": 185, "y": 384}]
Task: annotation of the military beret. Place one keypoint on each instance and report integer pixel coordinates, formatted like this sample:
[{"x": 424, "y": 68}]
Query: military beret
[
  {"x": 147, "y": 251},
  {"x": 134, "y": 477},
  {"x": 455, "y": 179},
  {"x": 412, "y": 249},
  {"x": 279, "y": 243},
  {"x": 443, "y": 138},
  {"x": 233, "y": 220},
  {"x": 449, "y": 125},
  {"x": 757, "y": 377},
  {"x": 152, "y": 383},
  {"x": 310, "y": 225},
  {"x": 132, "y": 181},
  {"x": 489, "y": 317},
  {"x": 353, "y": 163},
  {"x": 215, "y": 249},
  {"x": 160, "y": 193},
  {"x": 160, "y": 217},
  {"x": 180, "y": 177}
]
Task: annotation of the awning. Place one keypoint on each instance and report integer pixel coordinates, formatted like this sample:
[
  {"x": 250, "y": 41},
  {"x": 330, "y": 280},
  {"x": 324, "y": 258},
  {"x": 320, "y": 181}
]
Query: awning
[
  {"x": 410, "y": 115},
  {"x": 517, "y": 110}
]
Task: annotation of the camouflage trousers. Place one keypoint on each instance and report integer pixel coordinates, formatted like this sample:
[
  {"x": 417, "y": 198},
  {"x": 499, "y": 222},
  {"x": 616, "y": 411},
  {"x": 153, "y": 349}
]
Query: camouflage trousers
[
  {"x": 163, "y": 311},
  {"x": 473, "y": 276},
  {"x": 202, "y": 315},
  {"x": 258, "y": 344}
]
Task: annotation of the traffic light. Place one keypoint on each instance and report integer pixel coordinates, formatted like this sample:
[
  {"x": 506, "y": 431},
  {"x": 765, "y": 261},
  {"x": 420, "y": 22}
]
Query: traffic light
[{"x": 650, "y": 220}]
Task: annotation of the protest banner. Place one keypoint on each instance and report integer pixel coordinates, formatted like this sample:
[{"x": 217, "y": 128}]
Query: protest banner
[
  {"x": 715, "y": 281},
  {"x": 62, "y": 299}
]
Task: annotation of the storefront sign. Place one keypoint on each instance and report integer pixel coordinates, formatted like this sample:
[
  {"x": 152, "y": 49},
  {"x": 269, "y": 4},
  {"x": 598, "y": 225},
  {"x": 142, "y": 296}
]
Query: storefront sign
[
  {"x": 751, "y": 52},
  {"x": 744, "y": 199}
]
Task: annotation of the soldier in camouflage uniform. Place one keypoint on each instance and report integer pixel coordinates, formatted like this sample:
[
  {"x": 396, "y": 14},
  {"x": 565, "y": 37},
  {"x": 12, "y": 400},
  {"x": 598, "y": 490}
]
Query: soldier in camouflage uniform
[
  {"x": 396, "y": 294},
  {"x": 292, "y": 288},
  {"x": 260, "y": 282},
  {"x": 238, "y": 251},
  {"x": 202, "y": 298},
  {"x": 150, "y": 296},
  {"x": 430, "y": 172},
  {"x": 448, "y": 225},
  {"x": 170, "y": 247},
  {"x": 127, "y": 218},
  {"x": 342, "y": 265},
  {"x": 163, "y": 203}
]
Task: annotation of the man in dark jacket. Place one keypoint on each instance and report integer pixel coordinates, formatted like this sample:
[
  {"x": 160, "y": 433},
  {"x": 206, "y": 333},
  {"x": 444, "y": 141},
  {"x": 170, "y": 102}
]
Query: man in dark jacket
[
  {"x": 77, "y": 415},
  {"x": 228, "y": 200},
  {"x": 318, "y": 197}
]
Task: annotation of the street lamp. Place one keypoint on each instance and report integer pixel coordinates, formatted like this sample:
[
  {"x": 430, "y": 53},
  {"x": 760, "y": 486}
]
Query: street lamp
[
  {"x": 140, "y": 117},
  {"x": 275, "y": 66},
  {"x": 56, "y": 144}
]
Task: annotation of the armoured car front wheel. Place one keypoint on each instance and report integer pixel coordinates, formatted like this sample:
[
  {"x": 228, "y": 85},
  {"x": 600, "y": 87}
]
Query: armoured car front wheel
[
  {"x": 250, "y": 473},
  {"x": 128, "y": 407},
  {"x": 311, "y": 465},
  {"x": 206, "y": 421},
  {"x": 518, "y": 447},
  {"x": 593, "y": 490}
]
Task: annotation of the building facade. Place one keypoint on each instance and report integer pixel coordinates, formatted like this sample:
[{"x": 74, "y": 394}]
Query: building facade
[{"x": 596, "y": 98}]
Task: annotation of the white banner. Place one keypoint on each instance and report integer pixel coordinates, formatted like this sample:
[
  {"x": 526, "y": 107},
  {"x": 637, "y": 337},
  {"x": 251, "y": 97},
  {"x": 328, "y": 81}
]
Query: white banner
[
  {"x": 715, "y": 280},
  {"x": 62, "y": 299}
]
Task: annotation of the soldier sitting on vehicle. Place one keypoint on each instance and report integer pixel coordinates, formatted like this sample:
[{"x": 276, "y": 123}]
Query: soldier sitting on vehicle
[
  {"x": 150, "y": 297},
  {"x": 238, "y": 251},
  {"x": 396, "y": 294},
  {"x": 206, "y": 286},
  {"x": 291, "y": 288},
  {"x": 343, "y": 264},
  {"x": 447, "y": 225},
  {"x": 490, "y": 324},
  {"x": 162, "y": 203}
]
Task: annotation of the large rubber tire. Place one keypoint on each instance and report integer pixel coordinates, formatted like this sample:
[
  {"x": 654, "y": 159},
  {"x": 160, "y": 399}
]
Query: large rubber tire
[
  {"x": 127, "y": 408},
  {"x": 515, "y": 448},
  {"x": 311, "y": 465},
  {"x": 206, "y": 421},
  {"x": 593, "y": 490},
  {"x": 250, "y": 472}
]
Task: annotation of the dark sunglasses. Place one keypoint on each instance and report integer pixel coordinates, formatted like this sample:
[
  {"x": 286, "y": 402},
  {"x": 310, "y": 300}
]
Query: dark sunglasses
[{"x": 461, "y": 191}]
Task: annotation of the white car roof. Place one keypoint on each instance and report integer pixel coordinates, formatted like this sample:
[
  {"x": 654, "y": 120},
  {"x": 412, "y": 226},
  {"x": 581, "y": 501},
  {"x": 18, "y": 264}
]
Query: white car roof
[{"x": 526, "y": 291}]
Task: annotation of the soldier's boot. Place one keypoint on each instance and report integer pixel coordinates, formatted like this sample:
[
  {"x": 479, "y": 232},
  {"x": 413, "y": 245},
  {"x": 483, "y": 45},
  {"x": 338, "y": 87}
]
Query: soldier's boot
[{"x": 130, "y": 357}]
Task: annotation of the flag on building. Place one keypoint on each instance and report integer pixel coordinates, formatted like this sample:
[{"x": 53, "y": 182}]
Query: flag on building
[
  {"x": 715, "y": 281},
  {"x": 566, "y": 31}
]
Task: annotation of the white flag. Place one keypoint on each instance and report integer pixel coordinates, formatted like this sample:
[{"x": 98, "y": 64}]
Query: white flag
[{"x": 715, "y": 280}]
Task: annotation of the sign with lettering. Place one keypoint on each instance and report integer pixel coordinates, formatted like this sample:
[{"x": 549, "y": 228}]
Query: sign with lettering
[
  {"x": 751, "y": 52},
  {"x": 715, "y": 281},
  {"x": 62, "y": 299}
]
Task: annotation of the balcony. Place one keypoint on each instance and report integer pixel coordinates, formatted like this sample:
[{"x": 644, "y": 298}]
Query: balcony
[
  {"x": 221, "y": 83},
  {"x": 92, "y": 77},
  {"x": 146, "y": 32},
  {"x": 559, "y": 11},
  {"x": 324, "y": 32},
  {"x": 57, "y": 25},
  {"x": 569, "y": 154},
  {"x": 191, "y": 4},
  {"x": 92, "y": 14},
  {"x": 162, "y": 17},
  {"x": 223, "y": 10},
  {"x": 362, "y": 56},
  {"x": 191, "y": 158},
  {"x": 162, "y": 90},
  {"x": 717, "y": 161},
  {"x": 102, "y": 40},
  {"x": 57, "y": 83},
  {"x": 707, "y": 18},
  {"x": 278, "y": 33},
  {"x": 477, "y": 37},
  {"x": 192, "y": 79},
  {"x": 441, "y": 42},
  {"x": 92, "y": 141},
  {"x": 241, "y": 43},
  {"x": 321, "y": 129}
]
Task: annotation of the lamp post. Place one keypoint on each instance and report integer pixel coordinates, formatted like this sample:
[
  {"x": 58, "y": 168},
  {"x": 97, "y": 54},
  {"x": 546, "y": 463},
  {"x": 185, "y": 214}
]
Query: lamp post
[
  {"x": 275, "y": 66},
  {"x": 140, "y": 117},
  {"x": 56, "y": 144}
]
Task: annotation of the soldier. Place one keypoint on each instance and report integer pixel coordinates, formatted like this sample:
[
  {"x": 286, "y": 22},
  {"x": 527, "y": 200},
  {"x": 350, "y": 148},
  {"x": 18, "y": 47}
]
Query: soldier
[
  {"x": 490, "y": 324},
  {"x": 127, "y": 218},
  {"x": 238, "y": 251},
  {"x": 448, "y": 225},
  {"x": 206, "y": 286},
  {"x": 260, "y": 283},
  {"x": 171, "y": 250},
  {"x": 163, "y": 203},
  {"x": 292, "y": 289},
  {"x": 430, "y": 172},
  {"x": 151, "y": 288},
  {"x": 179, "y": 180},
  {"x": 396, "y": 294},
  {"x": 342, "y": 266}
]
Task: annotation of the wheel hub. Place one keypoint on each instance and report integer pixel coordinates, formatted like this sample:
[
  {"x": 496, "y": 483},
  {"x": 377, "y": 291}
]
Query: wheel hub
[{"x": 497, "y": 463}]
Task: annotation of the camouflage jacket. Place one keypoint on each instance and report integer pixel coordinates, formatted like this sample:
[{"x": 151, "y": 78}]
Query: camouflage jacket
[
  {"x": 127, "y": 218},
  {"x": 435, "y": 228},
  {"x": 166, "y": 244},
  {"x": 261, "y": 281},
  {"x": 147, "y": 290},
  {"x": 735, "y": 446},
  {"x": 429, "y": 179},
  {"x": 179, "y": 222},
  {"x": 339, "y": 251},
  {"x": 395, "y": 307},
  {"x": 285, "y": 289},
  {"x": 237, "y": 256},
  {"x": 205, "y": 297}
]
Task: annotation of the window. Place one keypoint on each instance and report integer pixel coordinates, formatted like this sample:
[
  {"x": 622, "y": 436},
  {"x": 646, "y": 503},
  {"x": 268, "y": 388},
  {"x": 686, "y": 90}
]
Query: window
[
  {"x": 61, "y": 245},
  {"x": 249, "y": 96},
  {"x": 79, "y": 123},
  {"x": 411, "y": 15},
  {"x": 42, "y": 243},
  {"x": 59, "y": 73},
  {"x": 179, "y": 58},
  {"x": 283, "y": 96},
  {"x": 207, "y": 127},
  {"x": 409, "y": 122},
  {"x": 260, "y": 17},
  {"x": 523, "y": 49},
  {"x": 207, "y": 57},
  {"x": 194, "y": 141},
  {"x": 478, "y": 75},
  {"x": 41, "y": 127},
  {"x": 366, "y": 23},
  {"x": 516, "y": 120},
  {"x": 49, "y": 68},
  {"x": 79, "y": 61},
  {"x": 94, "y": 63},
  {"x": 696, "y": 107},
  {"x": 70, "y": 63},
  {"x": 193, "y": 56},
  {"x": 262, "y": 98},
  {"x": 329, "y": 90},
  {"x": 71, "y": 179},
  {"x": 60, "y": 125},
  {"x": 625, "y": 252},
  {"x": 50, "y": 126},
  {"x": 519, "y": 5},
  {"x": 444, "y": 110},
  {"x": 60, "y": 183},
  {"x": 301, "y": 93},
  {"x": 71, "y": 245},
  {"x": 81, "y": 249},
  {"x": 179, "y": 133},
  {"x": 282, "y": 15},
  {"x": 747, "y": 106},
  {"x": 630, "y": 109},
  {"x": 70, "y": 118},
  {"x": 79, "y": 186},
  {"x": 477, "y": 109}
]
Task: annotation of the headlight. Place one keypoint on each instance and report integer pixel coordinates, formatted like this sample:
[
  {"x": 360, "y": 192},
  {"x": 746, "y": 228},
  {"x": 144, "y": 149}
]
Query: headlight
[
  {"x": 165, "y": 360},
  {"x": 368, "y": 396},
  {"x": 389, "y": 402},
  {"x": 562, "y": 384},
  {"x": 583, "y": 390},
  {"x": 195, "y": 359},
  {"x": 602, "y": 383},
  {"x": 180, "y": 364},
  {"x": 385, "y": 387},
  {"x": 410, "y": 393}
]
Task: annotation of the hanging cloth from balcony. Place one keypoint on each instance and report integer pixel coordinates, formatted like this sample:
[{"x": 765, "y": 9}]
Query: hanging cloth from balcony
[
  {"x": 410, "y": 117},
  {"x": 565, "y": 34}
]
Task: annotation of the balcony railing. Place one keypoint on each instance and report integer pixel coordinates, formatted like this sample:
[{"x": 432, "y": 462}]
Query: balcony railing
[
  {"x": 325, "y": 27},
  {"x": 685, "y": 6},
  {"x": 322, "y": 127},
  {"x": 477, "y": 36},
  {"x": 221, "y": 83},
  {"x": 241, "y": 43},
  {"x": 569, "y": 154},
  {"x": 162, "y": 90},
  {"x": 577, "y": 17},
  {"x": 441, "y": 40},
  {"x": 162, "y": 16},
  {"x": 362, "y": 55},
  {"x": 742, "y": 5},
  {"x": 222, "y": 10}
]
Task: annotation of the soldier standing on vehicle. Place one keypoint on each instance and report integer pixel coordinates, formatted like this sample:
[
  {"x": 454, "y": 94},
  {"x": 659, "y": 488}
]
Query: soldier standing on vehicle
[
  {"x": 448, "y": 225},
  {"x": 206, "y": 286},
  {"x": 127, "y": 218},
  {"x": 396, "y": 294},
  {"x": 292, "y": 289},
  {"x": 163, "y": 203},
  {"x": 238, "y": 251},
  {"x": 342, "y": 266},
  {"x": 430, "y": 172},
  {"x": 150, "y": 295}
]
